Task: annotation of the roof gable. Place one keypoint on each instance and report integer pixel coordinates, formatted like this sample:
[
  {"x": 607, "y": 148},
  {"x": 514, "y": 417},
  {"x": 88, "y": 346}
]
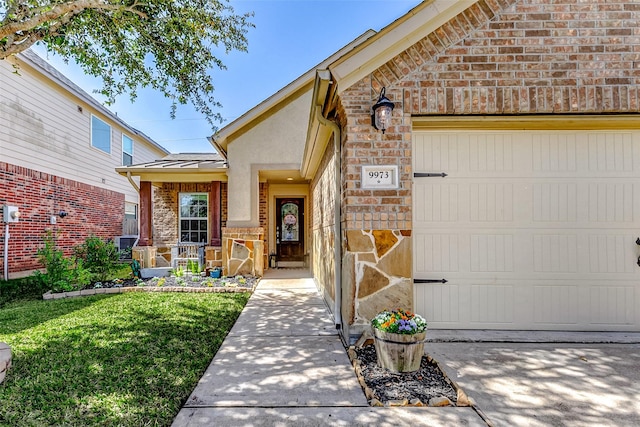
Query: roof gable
[
  {"x": 521, "y": 57},
  {"x": 275, "y": 102}
]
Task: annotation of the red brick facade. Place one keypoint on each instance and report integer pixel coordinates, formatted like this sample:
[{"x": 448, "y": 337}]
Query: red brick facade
[{"x": 38, "y": 196}]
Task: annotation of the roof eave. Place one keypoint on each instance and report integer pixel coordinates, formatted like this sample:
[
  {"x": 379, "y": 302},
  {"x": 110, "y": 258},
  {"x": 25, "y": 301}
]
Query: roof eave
[
  {"x": 222, "y": 137},
  {"x": 393, "y": 39},
  {"x": 317, "y": 134}
]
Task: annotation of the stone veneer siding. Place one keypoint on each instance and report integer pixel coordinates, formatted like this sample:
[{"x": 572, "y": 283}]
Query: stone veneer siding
[
  {"x": 91, "y": 211},
  {"x": 243, "y": 251},
  {"x": 498, "y": 57}
]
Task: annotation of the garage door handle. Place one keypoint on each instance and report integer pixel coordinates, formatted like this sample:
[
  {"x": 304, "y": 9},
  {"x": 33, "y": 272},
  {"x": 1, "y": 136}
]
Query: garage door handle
[
  {"x": 428, "y": 174},
  {"x": 431, "y": 280}
]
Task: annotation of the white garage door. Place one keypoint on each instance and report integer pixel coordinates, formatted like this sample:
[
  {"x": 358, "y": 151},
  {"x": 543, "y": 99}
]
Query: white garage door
[{"x": 530, "y": 229}]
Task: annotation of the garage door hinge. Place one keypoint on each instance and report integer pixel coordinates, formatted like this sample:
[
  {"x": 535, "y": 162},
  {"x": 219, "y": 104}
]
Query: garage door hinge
[
  {"x": 429, "y": 174},
  {"x": 429, "y": 280}
]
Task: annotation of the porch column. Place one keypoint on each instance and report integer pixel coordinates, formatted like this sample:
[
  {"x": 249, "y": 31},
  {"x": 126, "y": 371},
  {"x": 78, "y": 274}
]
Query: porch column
[
  {"x": 242, "y": 202},
  {"x": 215, "y": 197},
  {"x": 146, "y": 214}
]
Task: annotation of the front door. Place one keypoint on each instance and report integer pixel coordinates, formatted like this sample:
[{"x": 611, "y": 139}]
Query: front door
[{"x": 290, "y": 229}]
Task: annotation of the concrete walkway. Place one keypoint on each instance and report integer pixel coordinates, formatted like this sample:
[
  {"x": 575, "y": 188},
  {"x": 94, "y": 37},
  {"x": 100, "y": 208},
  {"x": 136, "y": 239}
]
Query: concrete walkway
[{"x": 283, "y": 364}]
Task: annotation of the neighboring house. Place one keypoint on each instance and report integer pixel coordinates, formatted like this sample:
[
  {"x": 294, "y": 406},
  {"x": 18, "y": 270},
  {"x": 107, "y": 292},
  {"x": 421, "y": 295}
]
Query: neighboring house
[
  {"x": 58, "y": 151},
  {"x": 505, "y": 193}
]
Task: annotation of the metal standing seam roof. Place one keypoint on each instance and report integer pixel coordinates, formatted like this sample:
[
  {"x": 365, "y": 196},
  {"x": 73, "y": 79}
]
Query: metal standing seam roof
[{"x": 182, "y": 162}]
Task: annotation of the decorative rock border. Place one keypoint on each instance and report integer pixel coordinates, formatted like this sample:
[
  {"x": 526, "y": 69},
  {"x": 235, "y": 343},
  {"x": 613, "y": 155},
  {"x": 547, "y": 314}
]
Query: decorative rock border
[
  {"x": 189, "y": 289},
  {"x": 5, "y": 360},
  {"x": 462, "y": 398}
]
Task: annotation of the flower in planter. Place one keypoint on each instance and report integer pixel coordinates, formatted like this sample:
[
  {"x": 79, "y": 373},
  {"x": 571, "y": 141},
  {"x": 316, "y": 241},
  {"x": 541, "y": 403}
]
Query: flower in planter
[{"x": 399, "y": 321}]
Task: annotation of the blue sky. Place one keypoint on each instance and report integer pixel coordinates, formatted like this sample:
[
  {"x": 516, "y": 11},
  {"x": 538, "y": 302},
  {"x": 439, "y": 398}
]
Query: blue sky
[{"x": 290, "y": 38}]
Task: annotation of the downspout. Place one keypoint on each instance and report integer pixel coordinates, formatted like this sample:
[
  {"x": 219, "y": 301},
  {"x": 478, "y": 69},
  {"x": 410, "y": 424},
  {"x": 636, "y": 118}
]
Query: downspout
[
  {"x": 135, "y": 187},
  {"x": 132, "y": 182},
  {"x": 337, "y": 311}
]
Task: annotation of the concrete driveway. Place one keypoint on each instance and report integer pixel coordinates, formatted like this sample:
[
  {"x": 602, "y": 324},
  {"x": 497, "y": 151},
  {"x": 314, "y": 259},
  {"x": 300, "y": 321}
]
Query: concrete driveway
[
  {"x": 531, "y": 384},
  {"x": 283, "y": 364}
]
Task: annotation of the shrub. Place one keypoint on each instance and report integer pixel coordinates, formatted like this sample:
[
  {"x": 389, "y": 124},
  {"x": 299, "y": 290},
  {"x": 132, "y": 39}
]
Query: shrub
[
  {"x": 100, "y": 257},
  {"x": 63, "y": 273},
  {"x": 193, "y": 267}
]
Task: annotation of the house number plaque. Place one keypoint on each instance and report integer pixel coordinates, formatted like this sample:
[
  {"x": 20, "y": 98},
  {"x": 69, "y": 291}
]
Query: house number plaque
[{"x": 376, "y": 177}]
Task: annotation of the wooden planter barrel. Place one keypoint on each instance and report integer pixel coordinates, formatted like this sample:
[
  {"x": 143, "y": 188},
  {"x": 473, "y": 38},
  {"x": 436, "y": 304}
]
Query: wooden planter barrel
[{"x": 399, "y": 352}]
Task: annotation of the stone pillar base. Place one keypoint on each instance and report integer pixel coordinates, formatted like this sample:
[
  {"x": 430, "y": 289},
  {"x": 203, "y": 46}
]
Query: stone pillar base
[{"x": 243, "y": 251}]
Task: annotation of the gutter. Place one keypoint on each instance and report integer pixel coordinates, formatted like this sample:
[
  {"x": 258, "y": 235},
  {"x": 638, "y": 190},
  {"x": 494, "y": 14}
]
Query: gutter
[
  {"x": 218, "y": 148},
  {"x": 337, "y": 139}
]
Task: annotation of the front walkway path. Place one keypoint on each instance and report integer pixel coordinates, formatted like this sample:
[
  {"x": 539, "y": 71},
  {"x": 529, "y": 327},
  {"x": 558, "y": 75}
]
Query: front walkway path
[{"x": 284, "y": 364}]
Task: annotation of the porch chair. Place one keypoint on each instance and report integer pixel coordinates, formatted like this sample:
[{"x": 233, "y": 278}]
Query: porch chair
[{"x": 182, "y": 253}]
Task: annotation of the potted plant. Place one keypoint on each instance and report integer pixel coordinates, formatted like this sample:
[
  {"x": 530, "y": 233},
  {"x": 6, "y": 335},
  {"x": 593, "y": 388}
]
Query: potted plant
[{"x": 399, "y": 339}]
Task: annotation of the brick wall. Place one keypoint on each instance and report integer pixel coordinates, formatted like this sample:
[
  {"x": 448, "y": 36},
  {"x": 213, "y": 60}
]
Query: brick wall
[
  {"x": 91, "y": 210},
  {"x": 264, "y": 212},
  {"x": 497, "y": 57},
  {"x": 322, "y": 224},
  {"x": 373, "y": 209},
  {"x": 533, "y": 56},
  {"x": 165, "y": 208}
]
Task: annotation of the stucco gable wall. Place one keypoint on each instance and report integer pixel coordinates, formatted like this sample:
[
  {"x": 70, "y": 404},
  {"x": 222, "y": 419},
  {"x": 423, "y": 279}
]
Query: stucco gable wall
[
  {"x": 277, "y": 142},
  {"x": 277, "y": 139}
]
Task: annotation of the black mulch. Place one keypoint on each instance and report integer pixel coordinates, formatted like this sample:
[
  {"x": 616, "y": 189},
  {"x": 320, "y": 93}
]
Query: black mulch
[{"x": 425, "y": 383}]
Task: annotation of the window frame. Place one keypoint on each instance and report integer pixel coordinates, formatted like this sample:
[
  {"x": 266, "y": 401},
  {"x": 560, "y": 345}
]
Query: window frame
[
  {"x": 193, "y": 218},
  {"x": 135, "y": 208},
  {"x": 124, "y": 152},
  {"x": 93, "y": 136}
]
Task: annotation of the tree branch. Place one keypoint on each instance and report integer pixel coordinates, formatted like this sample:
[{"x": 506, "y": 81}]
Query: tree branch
[{"x": 61, "y": 10}]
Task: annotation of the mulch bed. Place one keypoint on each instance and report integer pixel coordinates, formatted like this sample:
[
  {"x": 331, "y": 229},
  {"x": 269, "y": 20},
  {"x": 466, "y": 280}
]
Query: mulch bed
[
  {"x": 183, "y": 281},
  {"x": 427, "y": 386},
  {"x": 163, "y": 284}
]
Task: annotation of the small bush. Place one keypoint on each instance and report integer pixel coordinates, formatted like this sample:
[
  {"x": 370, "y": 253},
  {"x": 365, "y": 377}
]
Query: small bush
[
  {"x": 62, "y": 273},
  {"x": 100, "y": 257}
]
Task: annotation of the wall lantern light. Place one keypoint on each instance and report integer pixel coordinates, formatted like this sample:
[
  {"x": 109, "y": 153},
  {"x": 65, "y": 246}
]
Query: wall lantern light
[
  {"x": 381, "y": 117},
  {"x": 62, "y": 214}
]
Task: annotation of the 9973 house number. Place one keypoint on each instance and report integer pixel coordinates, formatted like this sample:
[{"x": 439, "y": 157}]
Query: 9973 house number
[{"x": 381, "y": 177}]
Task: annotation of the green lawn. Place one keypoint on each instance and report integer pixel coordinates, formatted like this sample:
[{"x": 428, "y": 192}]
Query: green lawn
[{"x": 128, "y": 360}]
